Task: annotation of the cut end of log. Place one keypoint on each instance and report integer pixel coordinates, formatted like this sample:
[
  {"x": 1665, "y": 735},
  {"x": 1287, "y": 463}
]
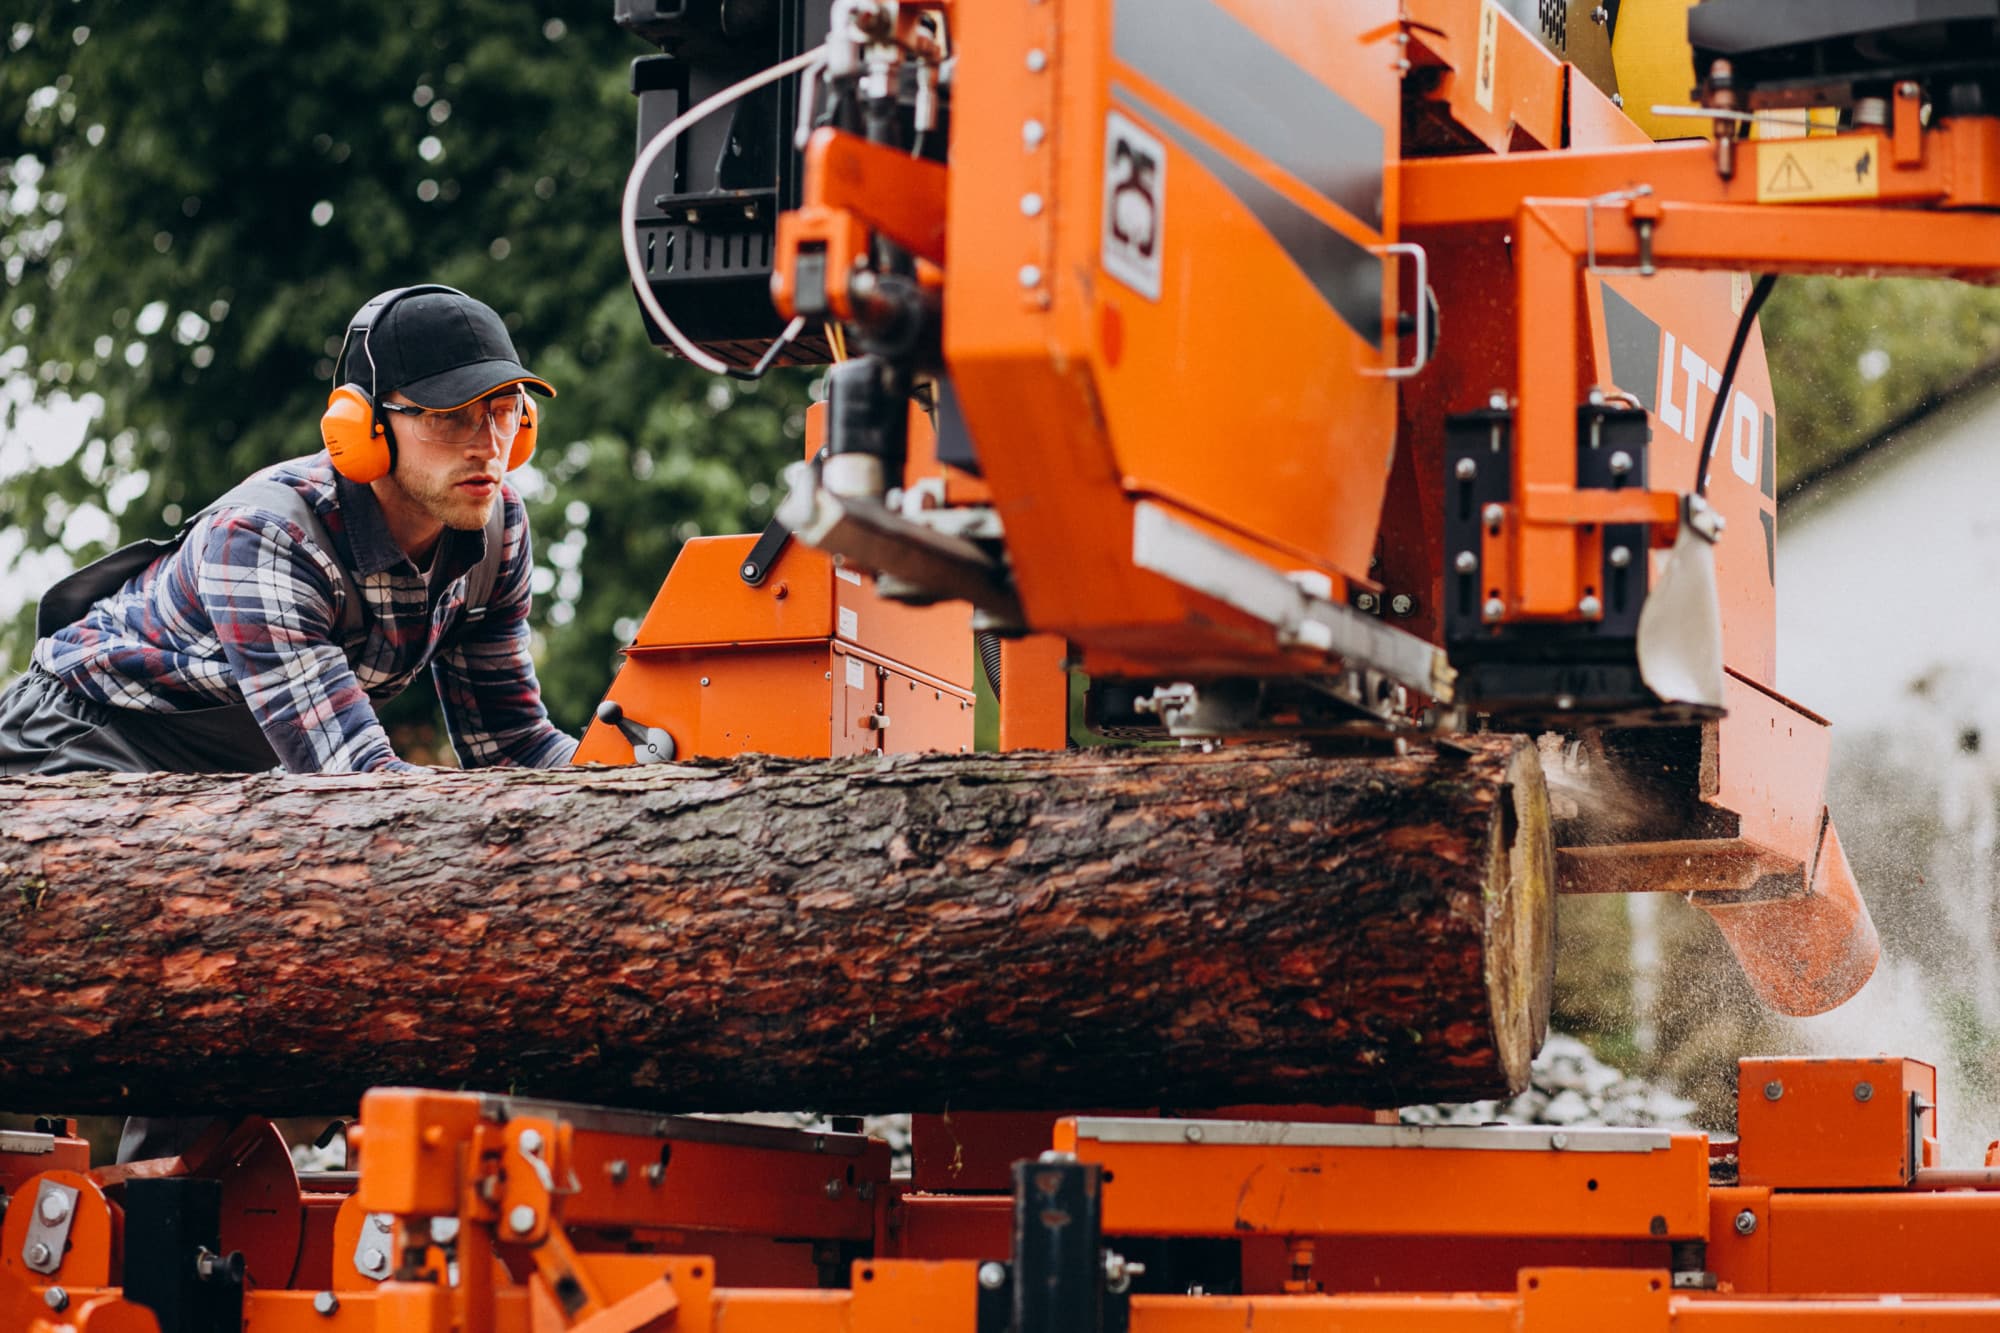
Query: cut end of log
[{"x": 1520, "y": 916}]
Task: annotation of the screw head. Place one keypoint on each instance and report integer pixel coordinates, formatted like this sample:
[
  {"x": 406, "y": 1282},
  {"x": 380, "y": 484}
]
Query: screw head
[
  {"x": 618, "y": 1171},
  {"x": 992, "y": 1275},
  {"x": 749, "y": 570},
  {"x": 372, "y": 1261},
  {"x": 521, "y": 1219},
  {"x": 1031, "y": 205},
  {"x": 833, "y": 1188},
  {"x": 1497, "y": 400},
  {"x": 56, "y": 1298},
  {"x": 1030, "y": 276},
  {"x": 1494, "y": 608},
  {"x": 54, "y": 1206},
  {"x": 1746, "y": 1222},
  {"x": 1192, "y": 1133},
  {"x": 1621, "y": 556},
  {"x": 1032, "y": 133},
  {"x": 1559, "y": 1141},
  {"x": 1402, "y": 604},
  {"x": 1465, "y": 562},
  {"x": 531, "y": 1139},
  {"x": 1590, "y": 606},
  {"x": 1364, "y": 601},
  {"x": 1621, "y": 463},
  {"x": 704, "y": 680},
  {"x": 1465, "y": 469},
  {"x": 39, "y": 1255},
  {"x": 1864, "y": 1091},
  {"x": 1038, "y": 60},
  {"x": 325, "y": 1302},
  {"x": 1491, "y": 515},
  {"x": 1773, "y": 1090}
]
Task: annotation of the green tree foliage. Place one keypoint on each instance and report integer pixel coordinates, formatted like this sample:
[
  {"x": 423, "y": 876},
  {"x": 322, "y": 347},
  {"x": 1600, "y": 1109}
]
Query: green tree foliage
[
  {"x": 194, "y": 199},
  {"x": 1851, "y": 356}
]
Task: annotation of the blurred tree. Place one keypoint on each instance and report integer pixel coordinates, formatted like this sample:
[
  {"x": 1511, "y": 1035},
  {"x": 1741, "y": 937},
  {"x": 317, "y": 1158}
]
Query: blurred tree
[
  {"x": 1851, "y": 356},
  {"x": 194, "y": 199}
]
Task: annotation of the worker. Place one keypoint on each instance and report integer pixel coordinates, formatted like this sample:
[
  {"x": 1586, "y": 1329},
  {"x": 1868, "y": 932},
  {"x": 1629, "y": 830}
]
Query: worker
[{"x": 263, "y": 635}]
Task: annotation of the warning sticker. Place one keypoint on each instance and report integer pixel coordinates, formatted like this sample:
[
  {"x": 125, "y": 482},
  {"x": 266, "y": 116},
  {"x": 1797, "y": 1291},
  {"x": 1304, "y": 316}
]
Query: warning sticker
[
  {"x": 850, "y": 623},
  {"x": 1135, "y": 196},
  {"x": 1489, "y": 50},
  {"x": 857, "y": 675},
  {"x": 1798, "y": 171}
]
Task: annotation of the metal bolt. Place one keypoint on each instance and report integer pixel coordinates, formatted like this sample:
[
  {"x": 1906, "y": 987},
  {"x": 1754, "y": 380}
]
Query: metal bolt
[
  {"x": 56, "y": 1298},
  {"x": 992, "y": 1276},
  {"x": 1491, "y": 515},
  {"x": 372, "y": 1261},
  {"x": 1497, "y": 400},
  {"x": 1030, "y": 276},
  {"x": 1038, "y": 60},
  {"x": 1364, "y": 601},
  {"x": 1494, "y": 608},
  {"x": 1621, "y": 463},
  {"x": 1192, "y": 1133},
  {"x": 1863, "y": 1091},
  {"x": 39, "y": 1255},
  {"x": 618, "y": 1171},
  {"x": 749, "y": 570},
  {"x": 833, "y": 1188},
  {"x": 1621, "y": 556},
  {"x": 1466, "y": 469},
  {"x": 1559, "y": 1141},
  {"x": 54, "y": 1206},
  {"x": 326, "y": 1303},
  {"x": 1590, "y": 606},
  {"x": 656, "y": 1173},
  {"x": 1618, "y": 100},
  {"x": 1402, "y": 604},
  {"x": 704, "y": 680},
  {"x": 1465, "y": 562},
  {"x": 531, "y": 1139},
  {"x": 1746, "y": 1222},
  {"x": 1773, "y": 1090},
  {"x": 1031, "y": 205},
  {"x": 1032, "y": 133},
  {"x": 521, "y": 1219}
]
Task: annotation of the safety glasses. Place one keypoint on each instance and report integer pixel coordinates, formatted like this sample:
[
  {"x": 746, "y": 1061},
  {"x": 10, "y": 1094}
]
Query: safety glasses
[{"x": 461, "y": 425}]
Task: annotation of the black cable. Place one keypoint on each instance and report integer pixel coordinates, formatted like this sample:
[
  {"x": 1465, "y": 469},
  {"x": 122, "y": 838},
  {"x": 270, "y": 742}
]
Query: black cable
[
  {"x": 778, "y": 344},
  {"x": 1736, "y": 346}
]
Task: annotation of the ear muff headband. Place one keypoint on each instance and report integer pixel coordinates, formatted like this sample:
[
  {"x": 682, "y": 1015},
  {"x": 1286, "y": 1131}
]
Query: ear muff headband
[{"x": 352, "y": 427}]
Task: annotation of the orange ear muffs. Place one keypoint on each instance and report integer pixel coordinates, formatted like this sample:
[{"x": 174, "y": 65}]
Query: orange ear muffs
[
  {"x": 358, "y": 444},
  {"x": 524, "y": 438}
]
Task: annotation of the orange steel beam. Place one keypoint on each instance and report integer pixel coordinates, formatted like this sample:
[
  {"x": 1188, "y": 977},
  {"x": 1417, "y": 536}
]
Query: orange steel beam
[{"x": 1238, "y": 1178}]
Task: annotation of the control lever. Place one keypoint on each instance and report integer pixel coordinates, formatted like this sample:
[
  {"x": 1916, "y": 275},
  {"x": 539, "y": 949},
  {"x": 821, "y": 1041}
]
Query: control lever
[{"x": 650, "y": 745}]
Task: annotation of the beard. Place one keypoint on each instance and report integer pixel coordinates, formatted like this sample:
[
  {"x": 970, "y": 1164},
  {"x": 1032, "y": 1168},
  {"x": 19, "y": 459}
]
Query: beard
[{"x": 444, "y": 501}]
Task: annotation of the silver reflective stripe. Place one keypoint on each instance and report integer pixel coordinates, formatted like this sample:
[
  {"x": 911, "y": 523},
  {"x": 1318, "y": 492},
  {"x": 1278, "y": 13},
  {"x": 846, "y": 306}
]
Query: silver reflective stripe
[
  {"x": 1293, "y": 1134},
  {"x": 1256, "y": 93}
]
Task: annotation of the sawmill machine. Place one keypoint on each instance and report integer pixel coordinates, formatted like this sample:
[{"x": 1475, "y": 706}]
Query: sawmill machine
[{"x": 1368, "y": 373}]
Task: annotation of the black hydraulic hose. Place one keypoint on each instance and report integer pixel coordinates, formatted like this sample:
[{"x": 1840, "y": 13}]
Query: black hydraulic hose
[
  {"x": 1736, "y": 346},
  {"x": 988, "y": 644}
]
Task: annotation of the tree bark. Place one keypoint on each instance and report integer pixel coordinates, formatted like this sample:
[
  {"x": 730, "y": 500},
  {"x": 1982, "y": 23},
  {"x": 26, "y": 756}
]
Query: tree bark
[{"x": 1110, "y": 928}]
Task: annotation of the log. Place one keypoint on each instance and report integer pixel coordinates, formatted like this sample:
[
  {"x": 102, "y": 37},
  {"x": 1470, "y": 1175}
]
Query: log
[{"x": 1104, "y": 928}]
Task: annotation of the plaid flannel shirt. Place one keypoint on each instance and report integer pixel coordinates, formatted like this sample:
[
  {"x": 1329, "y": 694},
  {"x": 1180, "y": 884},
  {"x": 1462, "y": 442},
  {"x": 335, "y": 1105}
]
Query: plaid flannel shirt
[{"x": 249, "y": 609}]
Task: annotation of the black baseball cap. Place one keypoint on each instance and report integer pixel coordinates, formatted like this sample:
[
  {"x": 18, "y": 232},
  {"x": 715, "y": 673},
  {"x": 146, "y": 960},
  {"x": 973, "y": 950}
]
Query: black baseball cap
[{"x": 438, "y": 347}]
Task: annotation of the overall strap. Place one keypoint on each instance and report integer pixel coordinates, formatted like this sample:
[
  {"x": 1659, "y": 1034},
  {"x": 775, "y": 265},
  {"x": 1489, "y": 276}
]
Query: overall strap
[{"x": 265, "y": 492}]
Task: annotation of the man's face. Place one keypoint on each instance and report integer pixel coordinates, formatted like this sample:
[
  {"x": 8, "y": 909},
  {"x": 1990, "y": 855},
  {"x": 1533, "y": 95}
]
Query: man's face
[{"x": 449, "y": 464}]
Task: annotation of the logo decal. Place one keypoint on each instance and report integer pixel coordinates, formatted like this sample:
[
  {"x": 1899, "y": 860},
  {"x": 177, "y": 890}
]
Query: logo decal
[{"x": 1135, "y": 187}]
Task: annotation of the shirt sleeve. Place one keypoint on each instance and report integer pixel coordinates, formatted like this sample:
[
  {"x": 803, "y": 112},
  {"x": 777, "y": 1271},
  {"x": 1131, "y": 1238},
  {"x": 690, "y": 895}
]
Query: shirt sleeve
[
  {"x": 486, "y": 680},
  {"x": 269, "y": 593}
]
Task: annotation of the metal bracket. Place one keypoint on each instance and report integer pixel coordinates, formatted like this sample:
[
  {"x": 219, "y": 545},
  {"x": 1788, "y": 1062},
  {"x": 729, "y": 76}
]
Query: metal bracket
[
  {"x": 1169, "y": 547},
  {"x": 48, "y": 1226},
  {"x": 1425, "y": 333},
  {"x": 374, "y": 1252}
]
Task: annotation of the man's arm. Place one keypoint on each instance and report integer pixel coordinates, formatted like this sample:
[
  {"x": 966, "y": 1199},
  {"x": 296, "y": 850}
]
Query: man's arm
[
  {"x": 486, "y": 680},
  {"x": 269, "y": 594}
]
